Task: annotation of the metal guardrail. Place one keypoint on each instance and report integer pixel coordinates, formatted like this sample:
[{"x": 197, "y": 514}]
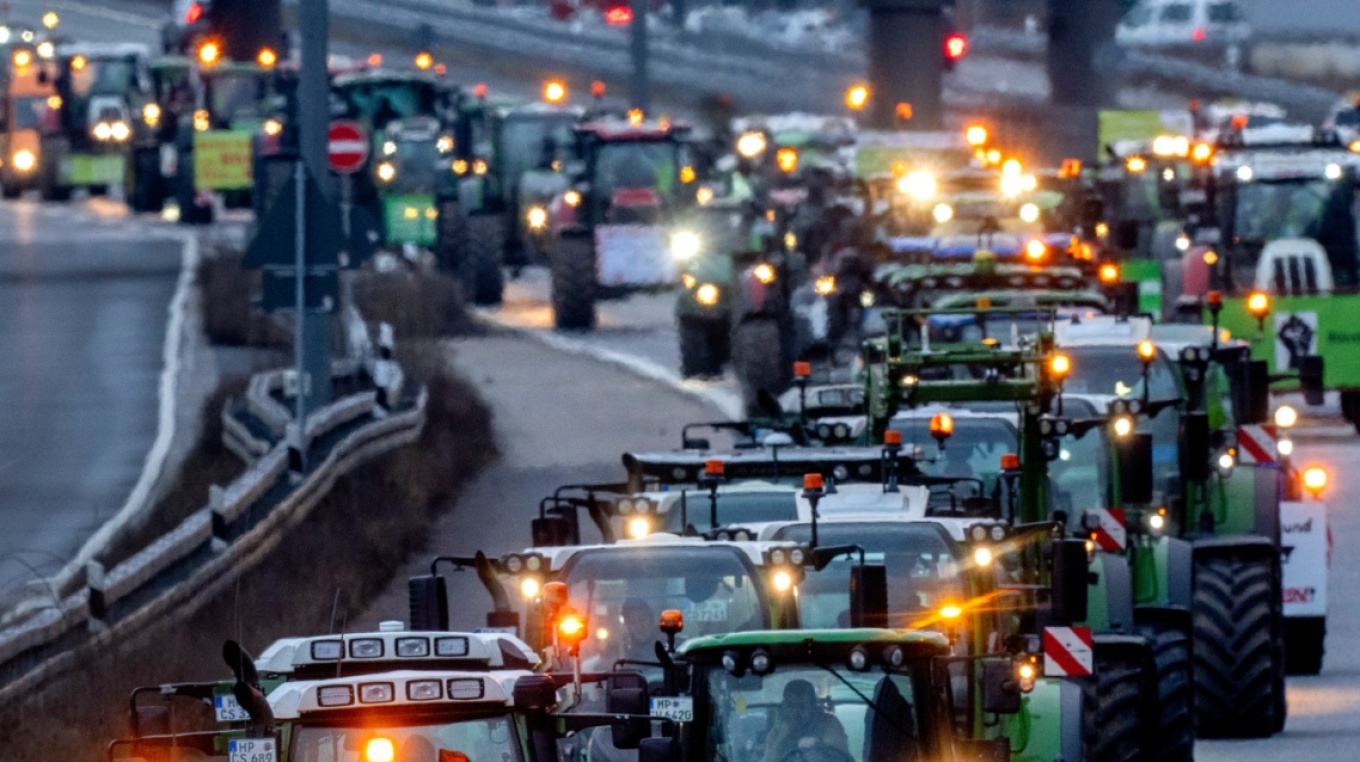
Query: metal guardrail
[{"x": 182, "y": 569}]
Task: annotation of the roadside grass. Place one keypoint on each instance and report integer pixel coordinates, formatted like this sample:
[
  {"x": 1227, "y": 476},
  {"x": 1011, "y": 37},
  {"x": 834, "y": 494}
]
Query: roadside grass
[{"x": 349, "y": 545}]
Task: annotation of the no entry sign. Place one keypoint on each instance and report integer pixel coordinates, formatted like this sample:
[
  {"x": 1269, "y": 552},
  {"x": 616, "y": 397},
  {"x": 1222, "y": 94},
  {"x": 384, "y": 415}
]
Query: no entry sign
[{"x": 346, "y": 147}]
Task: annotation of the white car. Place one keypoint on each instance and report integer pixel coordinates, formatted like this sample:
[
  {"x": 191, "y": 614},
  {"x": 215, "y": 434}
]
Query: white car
[{"x": 1183, "y": 22}]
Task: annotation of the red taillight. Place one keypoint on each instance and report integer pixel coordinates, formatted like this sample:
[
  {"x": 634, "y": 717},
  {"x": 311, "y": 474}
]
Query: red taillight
[
  {"x": 1198, "y": 34},
  {"x": 194, "y": 13},
  {"x": 619, "y": 15},
  {"x": 955, "y": 46}
]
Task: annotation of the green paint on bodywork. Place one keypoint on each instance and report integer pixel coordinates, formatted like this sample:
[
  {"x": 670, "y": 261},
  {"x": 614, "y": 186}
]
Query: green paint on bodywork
[
  {"x": 1336, "y": 334},
  {"x": 97, "y": 169},
  {"x": 1035, "y": 731},
  {"x": 410, "y": 218},
  {"x": 1147, "y": 273}
]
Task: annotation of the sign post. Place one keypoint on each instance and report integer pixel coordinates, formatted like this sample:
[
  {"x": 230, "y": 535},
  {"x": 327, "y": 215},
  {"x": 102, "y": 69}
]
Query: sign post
[{"x": 346, "y": 153}]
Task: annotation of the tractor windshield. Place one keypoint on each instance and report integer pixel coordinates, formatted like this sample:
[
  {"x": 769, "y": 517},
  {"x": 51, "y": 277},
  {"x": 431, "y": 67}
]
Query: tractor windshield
[
  {"x": 1079, "y": 478},
  {"x": 923, "y": 572},
  {"x": 814, "y": 713},
  {"x": 1116, "y": 370},
  {"x": 236, "y": 95},
  {"x": 623, "y": 590},
  {"x": 734, "y": 508},
  {"x": 378, "y": 104},
  {"x": 972, "y": 454},
  {"x": 535, "y": 142},
  {"x": 1320, "y": 209},
  {"x": 630, "y": 164},
  {"x": 103, "y": 77},
  {"x": 416, "y": 739}
]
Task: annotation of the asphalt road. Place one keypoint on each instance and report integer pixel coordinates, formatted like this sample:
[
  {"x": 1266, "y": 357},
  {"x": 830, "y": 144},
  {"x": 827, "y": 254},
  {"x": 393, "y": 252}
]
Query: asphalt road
[{"x": 83, "y": 312}]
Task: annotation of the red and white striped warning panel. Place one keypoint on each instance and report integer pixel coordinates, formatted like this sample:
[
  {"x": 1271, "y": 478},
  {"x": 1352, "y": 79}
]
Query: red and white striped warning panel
[
  {"x": 1111, "y": 535},
  {"x": 1258, "y": 444},
  {"x": 1067, "y": 652}
]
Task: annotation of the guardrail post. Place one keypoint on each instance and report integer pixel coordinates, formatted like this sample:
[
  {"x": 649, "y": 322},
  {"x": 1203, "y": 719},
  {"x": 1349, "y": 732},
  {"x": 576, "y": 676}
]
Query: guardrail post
[
  {"x": 94, "y": 581},
  {"x": 217, "y": 504},
  {"x": 297, "y": 453},
  {"x": 386, "y": 372}
]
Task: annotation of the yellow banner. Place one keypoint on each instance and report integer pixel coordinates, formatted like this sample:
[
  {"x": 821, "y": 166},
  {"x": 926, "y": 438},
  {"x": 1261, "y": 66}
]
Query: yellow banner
[{"x": 222, "y": 160}]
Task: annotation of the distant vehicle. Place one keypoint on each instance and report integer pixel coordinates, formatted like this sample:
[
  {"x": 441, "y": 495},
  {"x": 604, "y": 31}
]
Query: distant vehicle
[
  {"x": 1183, "y": 22},
  {"x": 1345, "y": 119}
]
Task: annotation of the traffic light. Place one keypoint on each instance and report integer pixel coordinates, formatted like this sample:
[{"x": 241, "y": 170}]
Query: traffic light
[
  {"x": 620, "y": 14},
  {"x": 955, "y": 48}
]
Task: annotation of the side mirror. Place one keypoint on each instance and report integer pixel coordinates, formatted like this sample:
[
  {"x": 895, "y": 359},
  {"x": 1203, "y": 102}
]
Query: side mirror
[
  {"x": 1126, "y": 235},
  {"x": 869, "y": 596},
  {"x": 1250, "y": 391},
  {"x": 626, "y": 693},
  {"x": 664, "y": 749},
  {"x": 555, "y": 530},
  {"x": 429, "y": 603},
  {"x": 1194, "y": 446},
  {"x": 1134, "y": 454},
  {"x": 535, "y": 692},
  {"x": 1070, "y": 589},
  {"x": 1000, "y": 691},
  {"x": 1310, "y": 378},
  {"x": 150, "y": 721}
]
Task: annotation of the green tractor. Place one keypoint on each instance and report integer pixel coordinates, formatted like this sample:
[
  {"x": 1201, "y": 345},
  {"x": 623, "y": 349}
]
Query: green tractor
[
  {"x": 1141, "y": 640},
  {"x": 85, "y": 142},
  {"x": 507, "y": 165},
  {"x": 410, "y": 151},
  {"x": 153, "y": 159},
  {"x": 1283, "y": 269}
]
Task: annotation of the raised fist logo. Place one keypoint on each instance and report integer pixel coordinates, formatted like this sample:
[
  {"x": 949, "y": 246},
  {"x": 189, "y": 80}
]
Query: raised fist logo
[{"x": 1297, "y": 337}]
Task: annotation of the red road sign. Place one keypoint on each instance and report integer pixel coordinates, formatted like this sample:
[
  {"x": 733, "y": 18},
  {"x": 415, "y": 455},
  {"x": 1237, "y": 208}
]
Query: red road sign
[{"x": 346, "y": 147}]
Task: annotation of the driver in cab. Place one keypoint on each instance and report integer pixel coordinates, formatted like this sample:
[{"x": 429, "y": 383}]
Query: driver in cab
[{"x": 803, "y": 730}]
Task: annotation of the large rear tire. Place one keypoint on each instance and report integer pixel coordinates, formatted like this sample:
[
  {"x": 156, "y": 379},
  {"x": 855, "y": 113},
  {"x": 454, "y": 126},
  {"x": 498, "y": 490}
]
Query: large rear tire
[
  {"x": 704, "y": 346},
  {"x": 450, "y": 239},
  {"x": 49, "y": 180},
  {"x": 146, "y": 186},
  {"x": 483, "y": 277},
  {"x": 1238, "y": 685},
  {"x": 573, "y": 283},
  {"x": 759, "y": 359},
  {"x": 1174, "y": 736},
  {"x": 1304, "y": 644},
  {"x": 1112, "y": 710}
]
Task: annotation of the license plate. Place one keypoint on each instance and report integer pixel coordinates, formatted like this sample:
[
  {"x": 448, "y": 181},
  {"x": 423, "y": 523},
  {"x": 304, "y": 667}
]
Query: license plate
[
  {"x": 680, "y": 709},
  {"x": 228, "y": 710},
  {"x": 252, "y": 750}
]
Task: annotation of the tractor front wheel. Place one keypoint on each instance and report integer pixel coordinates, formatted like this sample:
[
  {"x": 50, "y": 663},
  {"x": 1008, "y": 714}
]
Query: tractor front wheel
[
  {"x": 705, "y": 346},
  {"x": 759, "y": 359},
  {"x": 1112, "y": 709},
  {"x": 483, "y": 278},
  {"x": 573, "y": 283},
  {"x": 1174, "y": 736}
]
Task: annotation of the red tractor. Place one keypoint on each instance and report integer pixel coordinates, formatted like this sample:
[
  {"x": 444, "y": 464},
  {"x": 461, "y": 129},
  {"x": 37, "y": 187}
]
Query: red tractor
[{"x": 610, "y": 227}]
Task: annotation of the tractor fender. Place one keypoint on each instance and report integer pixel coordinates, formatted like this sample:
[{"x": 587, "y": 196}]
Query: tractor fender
[
  {"x": 1180, "y": 574},
  {"x": 1070, "y": 702},
  {"x": 1268, "y": 503},
  {"x": 1116, "y": 582},
  {"x": 1252, "y": 546}
]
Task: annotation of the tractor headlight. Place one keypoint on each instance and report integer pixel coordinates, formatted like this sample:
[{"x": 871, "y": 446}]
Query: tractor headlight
[
  {"x": 537, "y": 218},
  {"x": 919, "y": 185},
  {"x": 119, "y": 131},
  {"x": 103, "y": 131},
  {"x": 387, "y": 171},
  {"x": 751, "y": 145},
  {"x": 24, "y": 160},
  {"x": 707, "y": 294},
  {"x": 685, "y": 245},
  {"x": 151, "y": 114},
  {"x": 825, "y": 285},
  {"x": 943, "y": 213}
]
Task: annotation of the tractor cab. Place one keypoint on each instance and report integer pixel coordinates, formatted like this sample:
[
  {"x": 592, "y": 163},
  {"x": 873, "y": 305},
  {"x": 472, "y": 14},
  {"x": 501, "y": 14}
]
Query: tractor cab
[{"x": 28, "y": 96}]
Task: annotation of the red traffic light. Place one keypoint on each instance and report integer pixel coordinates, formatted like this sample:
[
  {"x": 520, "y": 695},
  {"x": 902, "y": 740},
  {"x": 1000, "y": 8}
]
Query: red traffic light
[{"x": 955, "y": 47}]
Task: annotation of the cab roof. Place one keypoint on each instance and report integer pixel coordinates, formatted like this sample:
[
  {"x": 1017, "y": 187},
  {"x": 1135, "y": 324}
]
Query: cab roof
[
  {"x": 620, "y": 130},
  {"x": 398, "y": 689},
  {"x": 367, "y": 652}
]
